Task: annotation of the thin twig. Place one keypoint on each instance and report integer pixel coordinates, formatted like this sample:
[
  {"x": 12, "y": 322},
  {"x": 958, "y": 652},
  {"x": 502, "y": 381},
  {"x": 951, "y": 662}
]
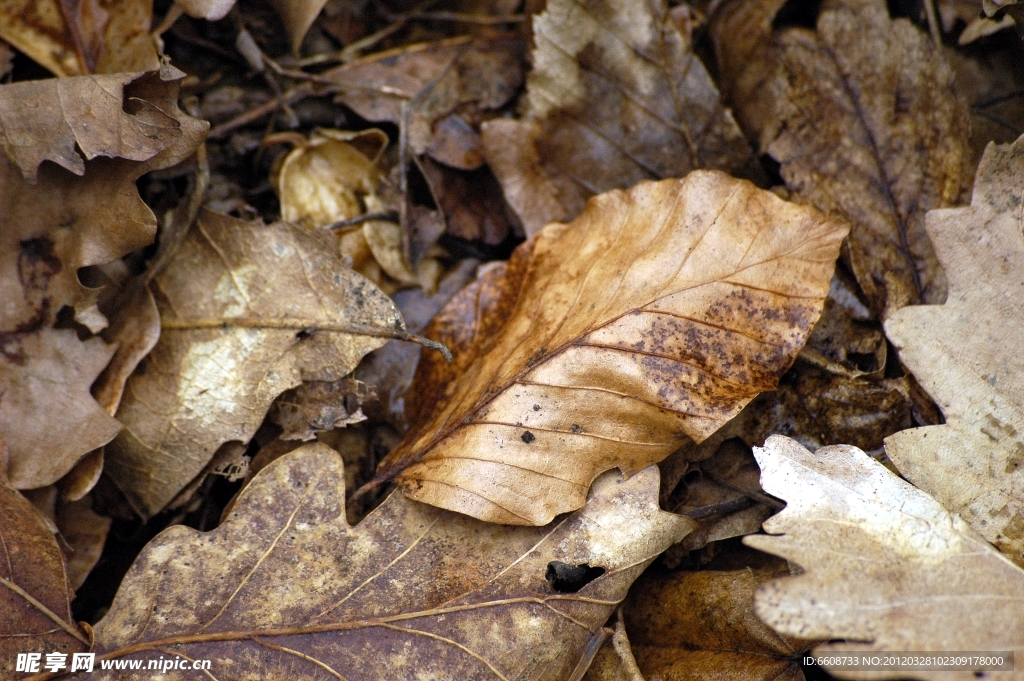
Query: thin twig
[
  {"x": 293, "y": 95},
  {"x": 390, "y": 216},
  {"x": 933, "y": 23}
]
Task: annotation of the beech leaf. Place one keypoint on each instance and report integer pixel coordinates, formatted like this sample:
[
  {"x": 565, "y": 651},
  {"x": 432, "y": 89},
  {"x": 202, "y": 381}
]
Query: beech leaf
[
  {"x": 249, "y": 311},
  {"x": 615, "y": 96},
  {"x": 968, "y": 356},
  {"x": 652, "y": 318},
  {"x": 886, "y": 567},
  {"x": 863, "y": 117},
  {"x": 411, "y": 591},
  {"x": 35, "y": 597}
]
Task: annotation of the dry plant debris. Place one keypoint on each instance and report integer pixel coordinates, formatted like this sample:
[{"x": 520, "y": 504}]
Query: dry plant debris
[
  {"x": 396, "y": 596},
  {"x": 862, "y": 117},
  {"x": 886, "y": 567},
  {"x": 218, "y": 441},
  {"x": 965, "y": 355},
  {"x": 718, "y": 284}
]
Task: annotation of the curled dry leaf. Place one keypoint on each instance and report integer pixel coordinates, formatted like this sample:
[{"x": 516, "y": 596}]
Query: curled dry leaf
[
  {"x": 615, "y": 96},
  {"x": 249, "y": 311},
  {"x": 53, "y": 224},
  {"x": 298, "y": 16},
  {"x": 886, "y": 567},
  {"x": 412, "y": 590},
  {"x": 85, "y": 532},
  {"x": 968, "y": 356},
  {"x": 652, "y": 318},
  {"x": 701, "y": 626},
  {"x": 102, "y": 37},
  {"x": 863, "y": 117},
  {"x": 35, "y": 597}
]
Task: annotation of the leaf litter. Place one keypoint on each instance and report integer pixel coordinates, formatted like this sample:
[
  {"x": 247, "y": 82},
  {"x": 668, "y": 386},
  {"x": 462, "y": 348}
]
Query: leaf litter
[{"x": 429, "y": 142}]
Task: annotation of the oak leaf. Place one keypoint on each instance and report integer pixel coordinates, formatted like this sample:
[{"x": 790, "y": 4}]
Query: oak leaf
[
  {"x": 863, "y": 117},
  {"x": 615, "y": 96},
  {"x": 249, "y": 311},
  {"x": 35, "y": 597},
  {"x": 886, "y": 567},
  {"x": 650, "y": 319},
  {"x": 57, "y": 218},
  {"x": 967, "y": 355},
  {"x": 412, "y": 590}
]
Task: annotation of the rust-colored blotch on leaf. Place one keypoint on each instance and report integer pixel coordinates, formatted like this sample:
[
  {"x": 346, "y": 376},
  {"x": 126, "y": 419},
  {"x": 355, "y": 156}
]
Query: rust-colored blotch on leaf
[{"x": 652, "y": 318}]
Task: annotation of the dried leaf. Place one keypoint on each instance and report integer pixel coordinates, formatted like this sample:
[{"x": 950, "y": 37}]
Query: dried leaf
[
  {"x": 615, "y": 96},
  {"x": 47, "y": 374},
  {"x": 333, "y": 177},
  {"x": 698, "y": 626},
  {"x": 317, "y": 406},
  {"x": 966, "y": 355},
  {"x": 35, "y": 597},
  {"x": 652, "y": 318},
  {"x": 410, "y": 590},
  {"x": 884, "y": 563},
  {"x": 132, "y": 118},
  {"x": 85, "y": 532},
  {"x": 864, "y": 120},
  {"x": 249, "y": 311},
  {"x": 419, "y": 85},
  {"x": 298, "y": 16},
  {"x": 104, "y": 36}
]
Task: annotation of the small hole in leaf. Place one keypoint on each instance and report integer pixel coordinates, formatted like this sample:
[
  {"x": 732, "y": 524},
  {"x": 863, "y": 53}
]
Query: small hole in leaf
[
  {"x": 528, "y": 437},
  {"x": 305, "y": 334},
  {"x": 566, "y": 578}
]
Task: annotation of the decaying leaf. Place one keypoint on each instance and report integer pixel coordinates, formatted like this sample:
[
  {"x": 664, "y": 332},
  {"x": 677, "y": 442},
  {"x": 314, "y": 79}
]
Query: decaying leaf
[
  {"x": 701, "y": 626},
  {"x": 83, "y": 37},
  {"x": 317, "y": 406},
  {"x": 298, "y": 16},
  {"x": 420, "y": 85},
  {"x": 652, "y": 318},
  {"x": 615, "y": 96},
  {"x": 412, "y": 590},
  {"x": 249, "y": 311},
  {"x": 35, "y": 597},
  {"x": 47, "y": 416},
  {"x": 967, "y": 355},
  {"x": 886, "y": 567},
  {"x": 864, "y": 120},
  {"x": 56, "y": 218},
  {"x": 133, "y": 120},
  {"x": 85, "y": 532}
]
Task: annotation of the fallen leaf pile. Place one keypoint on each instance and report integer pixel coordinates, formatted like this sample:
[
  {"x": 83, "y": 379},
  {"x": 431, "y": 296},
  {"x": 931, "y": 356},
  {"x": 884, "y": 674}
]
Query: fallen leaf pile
[{"x": 595, "y": 340}]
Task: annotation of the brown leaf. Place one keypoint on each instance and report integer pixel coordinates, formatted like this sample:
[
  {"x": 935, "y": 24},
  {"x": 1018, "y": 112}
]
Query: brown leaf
[
  {"x": 85, "y": 533},
  {"x": 697, "y": 626},
  {"x": 410, "y": 590},
  {"x": 429, "y": 81},
  {"x": 615, "y": 96},
  {"x": 131, "y": 118},
  {"x": 211, "y": 10},
  {"x": 865, "y": 122},
  {"x": 317, "y": 406},
  {"x": 76, "y": 38},
  {"x": 652, "y": 318},
  {"x": 52, "y": 224},
  {"x": 35, "y": 597},
  {"x": 966, "y": 354},
  {"x": 249, "y": 311},
  {"x": 47, "y": 416},
  {"x": 884, "y": 563},
  {"x": 298, "y": 16}
]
